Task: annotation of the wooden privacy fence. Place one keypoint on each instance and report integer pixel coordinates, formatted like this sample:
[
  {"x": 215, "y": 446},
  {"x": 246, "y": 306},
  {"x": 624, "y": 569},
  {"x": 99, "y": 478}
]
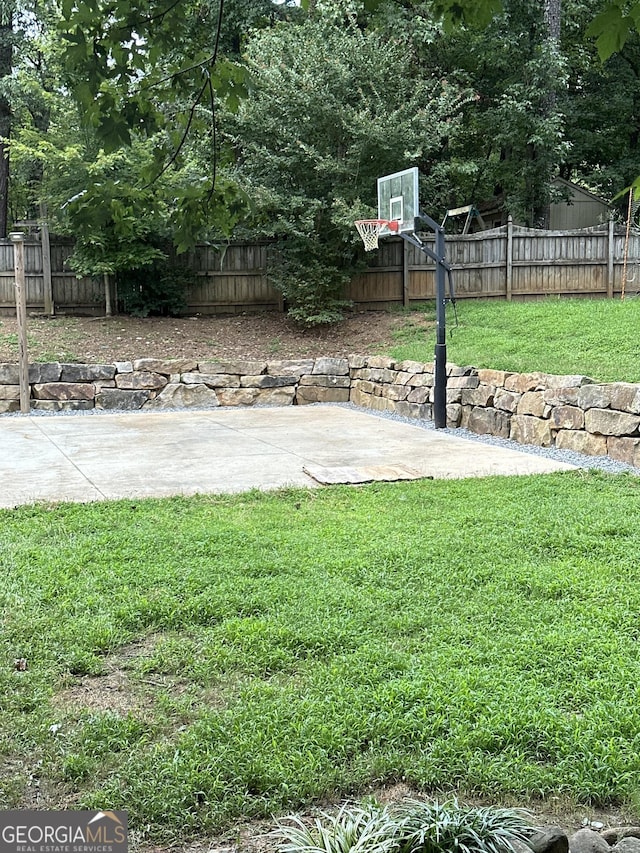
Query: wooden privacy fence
[
  {"x": 508, "y": 262},
  {"x": 57, "y": 288},
  {"x": 230, "y": 278}
]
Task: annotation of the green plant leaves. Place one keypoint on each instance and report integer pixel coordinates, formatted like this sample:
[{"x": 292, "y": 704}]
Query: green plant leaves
[
  {"x": 413, "y": 826},
  {"x": 611, "y": 29},
  {"x": 476, "y": 13}
]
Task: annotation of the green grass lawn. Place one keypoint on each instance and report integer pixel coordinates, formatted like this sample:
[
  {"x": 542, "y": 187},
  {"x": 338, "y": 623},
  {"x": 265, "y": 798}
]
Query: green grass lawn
[
  {"x": 276, "y": 650},
  {"x": 598, "y": 338}
]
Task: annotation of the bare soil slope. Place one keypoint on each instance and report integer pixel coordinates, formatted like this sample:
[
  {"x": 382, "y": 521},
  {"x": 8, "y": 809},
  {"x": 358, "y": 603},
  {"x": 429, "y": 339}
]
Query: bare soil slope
[{"x": 263, "y": 336}]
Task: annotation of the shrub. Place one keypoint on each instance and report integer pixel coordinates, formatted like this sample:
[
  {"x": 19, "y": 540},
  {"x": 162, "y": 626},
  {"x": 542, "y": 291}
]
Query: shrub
[
  {"x": 443, "y": 827},
  {"x": 158, "y": 290},
  {"x": 412, "y": 827},
  {"x": 353, "y": 829},
  {"x": 311, "y": 283}
]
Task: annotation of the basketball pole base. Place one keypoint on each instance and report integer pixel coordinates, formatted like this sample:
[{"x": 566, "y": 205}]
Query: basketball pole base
[
  {"x": 440, "y": 387},
  {"x": 440, "y": 355}
]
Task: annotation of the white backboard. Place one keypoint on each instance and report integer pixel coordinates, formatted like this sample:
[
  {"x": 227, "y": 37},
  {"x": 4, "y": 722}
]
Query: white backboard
[{"x": 398, "y": 199}]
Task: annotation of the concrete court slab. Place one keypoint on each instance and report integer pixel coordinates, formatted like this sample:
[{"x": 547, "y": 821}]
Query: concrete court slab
[{"x": 87, "y": 457}]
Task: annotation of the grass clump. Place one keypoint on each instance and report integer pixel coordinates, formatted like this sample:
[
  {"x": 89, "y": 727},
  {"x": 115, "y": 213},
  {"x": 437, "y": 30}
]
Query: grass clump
[
  {"x": 354, "y": 829},
  {"x": 594, "y": 337},
  {"x": 450, "y": 828},
  {"x": 413, "y": 827}
]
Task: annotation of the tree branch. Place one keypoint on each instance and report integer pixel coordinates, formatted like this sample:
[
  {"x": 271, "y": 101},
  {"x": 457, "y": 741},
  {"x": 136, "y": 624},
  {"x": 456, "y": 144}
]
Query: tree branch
[
  {"x": 212, "y": 101},
  {"x": 180, "y": 146},
  {"x": 152, "y": 18}
]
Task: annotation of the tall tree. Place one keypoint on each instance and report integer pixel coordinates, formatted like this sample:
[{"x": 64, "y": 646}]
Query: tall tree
[
  {"x": 601, "y": 107},
  {"x": 331, "y": 109},
  {"x": 29, "y": 75},
  {"x": 553, "y": 19},
  {"x": 510, "y": 142},
  {"x": 552, "y": 47}
]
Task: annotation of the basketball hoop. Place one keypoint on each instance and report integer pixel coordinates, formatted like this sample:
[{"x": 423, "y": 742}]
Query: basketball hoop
[{"x": 369, "y": 230}]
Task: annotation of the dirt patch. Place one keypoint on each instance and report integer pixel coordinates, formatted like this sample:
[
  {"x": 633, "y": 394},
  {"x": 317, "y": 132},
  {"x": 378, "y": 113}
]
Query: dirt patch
[
  {"x": 111, "y": 692},
  {"x": 121, "y": 689},
  {"x": 114, "y": 690},
  {"x": 263, "y": 336}
]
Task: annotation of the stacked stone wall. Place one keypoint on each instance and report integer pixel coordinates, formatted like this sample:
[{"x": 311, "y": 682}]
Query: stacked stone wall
[
  {"x": 150, "y": 383},
  {"x": 569, "y": 412}
]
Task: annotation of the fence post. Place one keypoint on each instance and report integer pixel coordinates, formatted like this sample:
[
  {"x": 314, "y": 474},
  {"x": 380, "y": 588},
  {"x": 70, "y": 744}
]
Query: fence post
[
  {"x": 610, "y": 247},
  {"x": 509, "y": 287},
  {"x": 107, "y": 295},
  {"x": 46, "y": 263},
  {"x": 17, "y": 237}
]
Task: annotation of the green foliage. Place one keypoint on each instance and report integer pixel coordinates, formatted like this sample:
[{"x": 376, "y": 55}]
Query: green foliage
[
  {"x": 413, "y": 826},
  {"x": 113, "y": 219},
  {"x": 352, "y": 830},
  {"x": 138, "y": 68},
  {"x": 156, "y": 290},
  {"x": 447, "y": 827},
  {"x": 138, "y": 143},
  {"x": 169, "y": 81},
  {"x": 598, "y": 105},
  {"x": 476, "y": 13},
  {"x": 149, "y": 70},
  {"x": 510, "y": 143},
  {"x": 332, "y": 108},
  {"x": 117, "y": 214},
  {"x": 472, "y": 91},
  {"x": 242, "y": 17},
  {"x": 613, "y": 25},
  {"x": 311, "y": 285}
]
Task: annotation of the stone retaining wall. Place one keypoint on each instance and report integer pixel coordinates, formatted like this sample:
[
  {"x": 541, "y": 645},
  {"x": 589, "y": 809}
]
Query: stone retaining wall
[{"x": 569, "y": 412}]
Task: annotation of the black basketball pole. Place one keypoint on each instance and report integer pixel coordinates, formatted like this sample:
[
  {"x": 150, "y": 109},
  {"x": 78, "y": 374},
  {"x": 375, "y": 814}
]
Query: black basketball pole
[
  {"x": 440, "y": 355},
  {"x": 440, "y": 360}
]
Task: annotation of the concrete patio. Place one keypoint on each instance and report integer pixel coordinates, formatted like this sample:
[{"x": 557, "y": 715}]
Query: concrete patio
[{"x": 106, "y": 456}]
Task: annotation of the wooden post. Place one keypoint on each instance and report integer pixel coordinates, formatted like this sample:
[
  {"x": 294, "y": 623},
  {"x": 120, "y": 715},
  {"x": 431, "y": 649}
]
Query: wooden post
[
  {"x": 626, "y": 246},
  {"x": 406, "y": 283},
  {"x": 509, "y": 286},
  {"x": 610, "y": 247},
  {"x": 21, "y": 315},
  {"x": 107, "y": 295},
  {"x": 46, "y": 263}
]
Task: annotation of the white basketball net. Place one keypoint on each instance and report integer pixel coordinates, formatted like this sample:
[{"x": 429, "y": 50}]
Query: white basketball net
[{"x": 369, "y": 230}]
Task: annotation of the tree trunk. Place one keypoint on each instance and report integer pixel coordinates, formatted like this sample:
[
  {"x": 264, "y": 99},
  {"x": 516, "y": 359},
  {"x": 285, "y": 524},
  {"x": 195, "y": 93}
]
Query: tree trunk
[
  {"x": 41, "y": 120},
  {"x": 6, "y": 57},
  {"x": 552, "y": 19}
]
